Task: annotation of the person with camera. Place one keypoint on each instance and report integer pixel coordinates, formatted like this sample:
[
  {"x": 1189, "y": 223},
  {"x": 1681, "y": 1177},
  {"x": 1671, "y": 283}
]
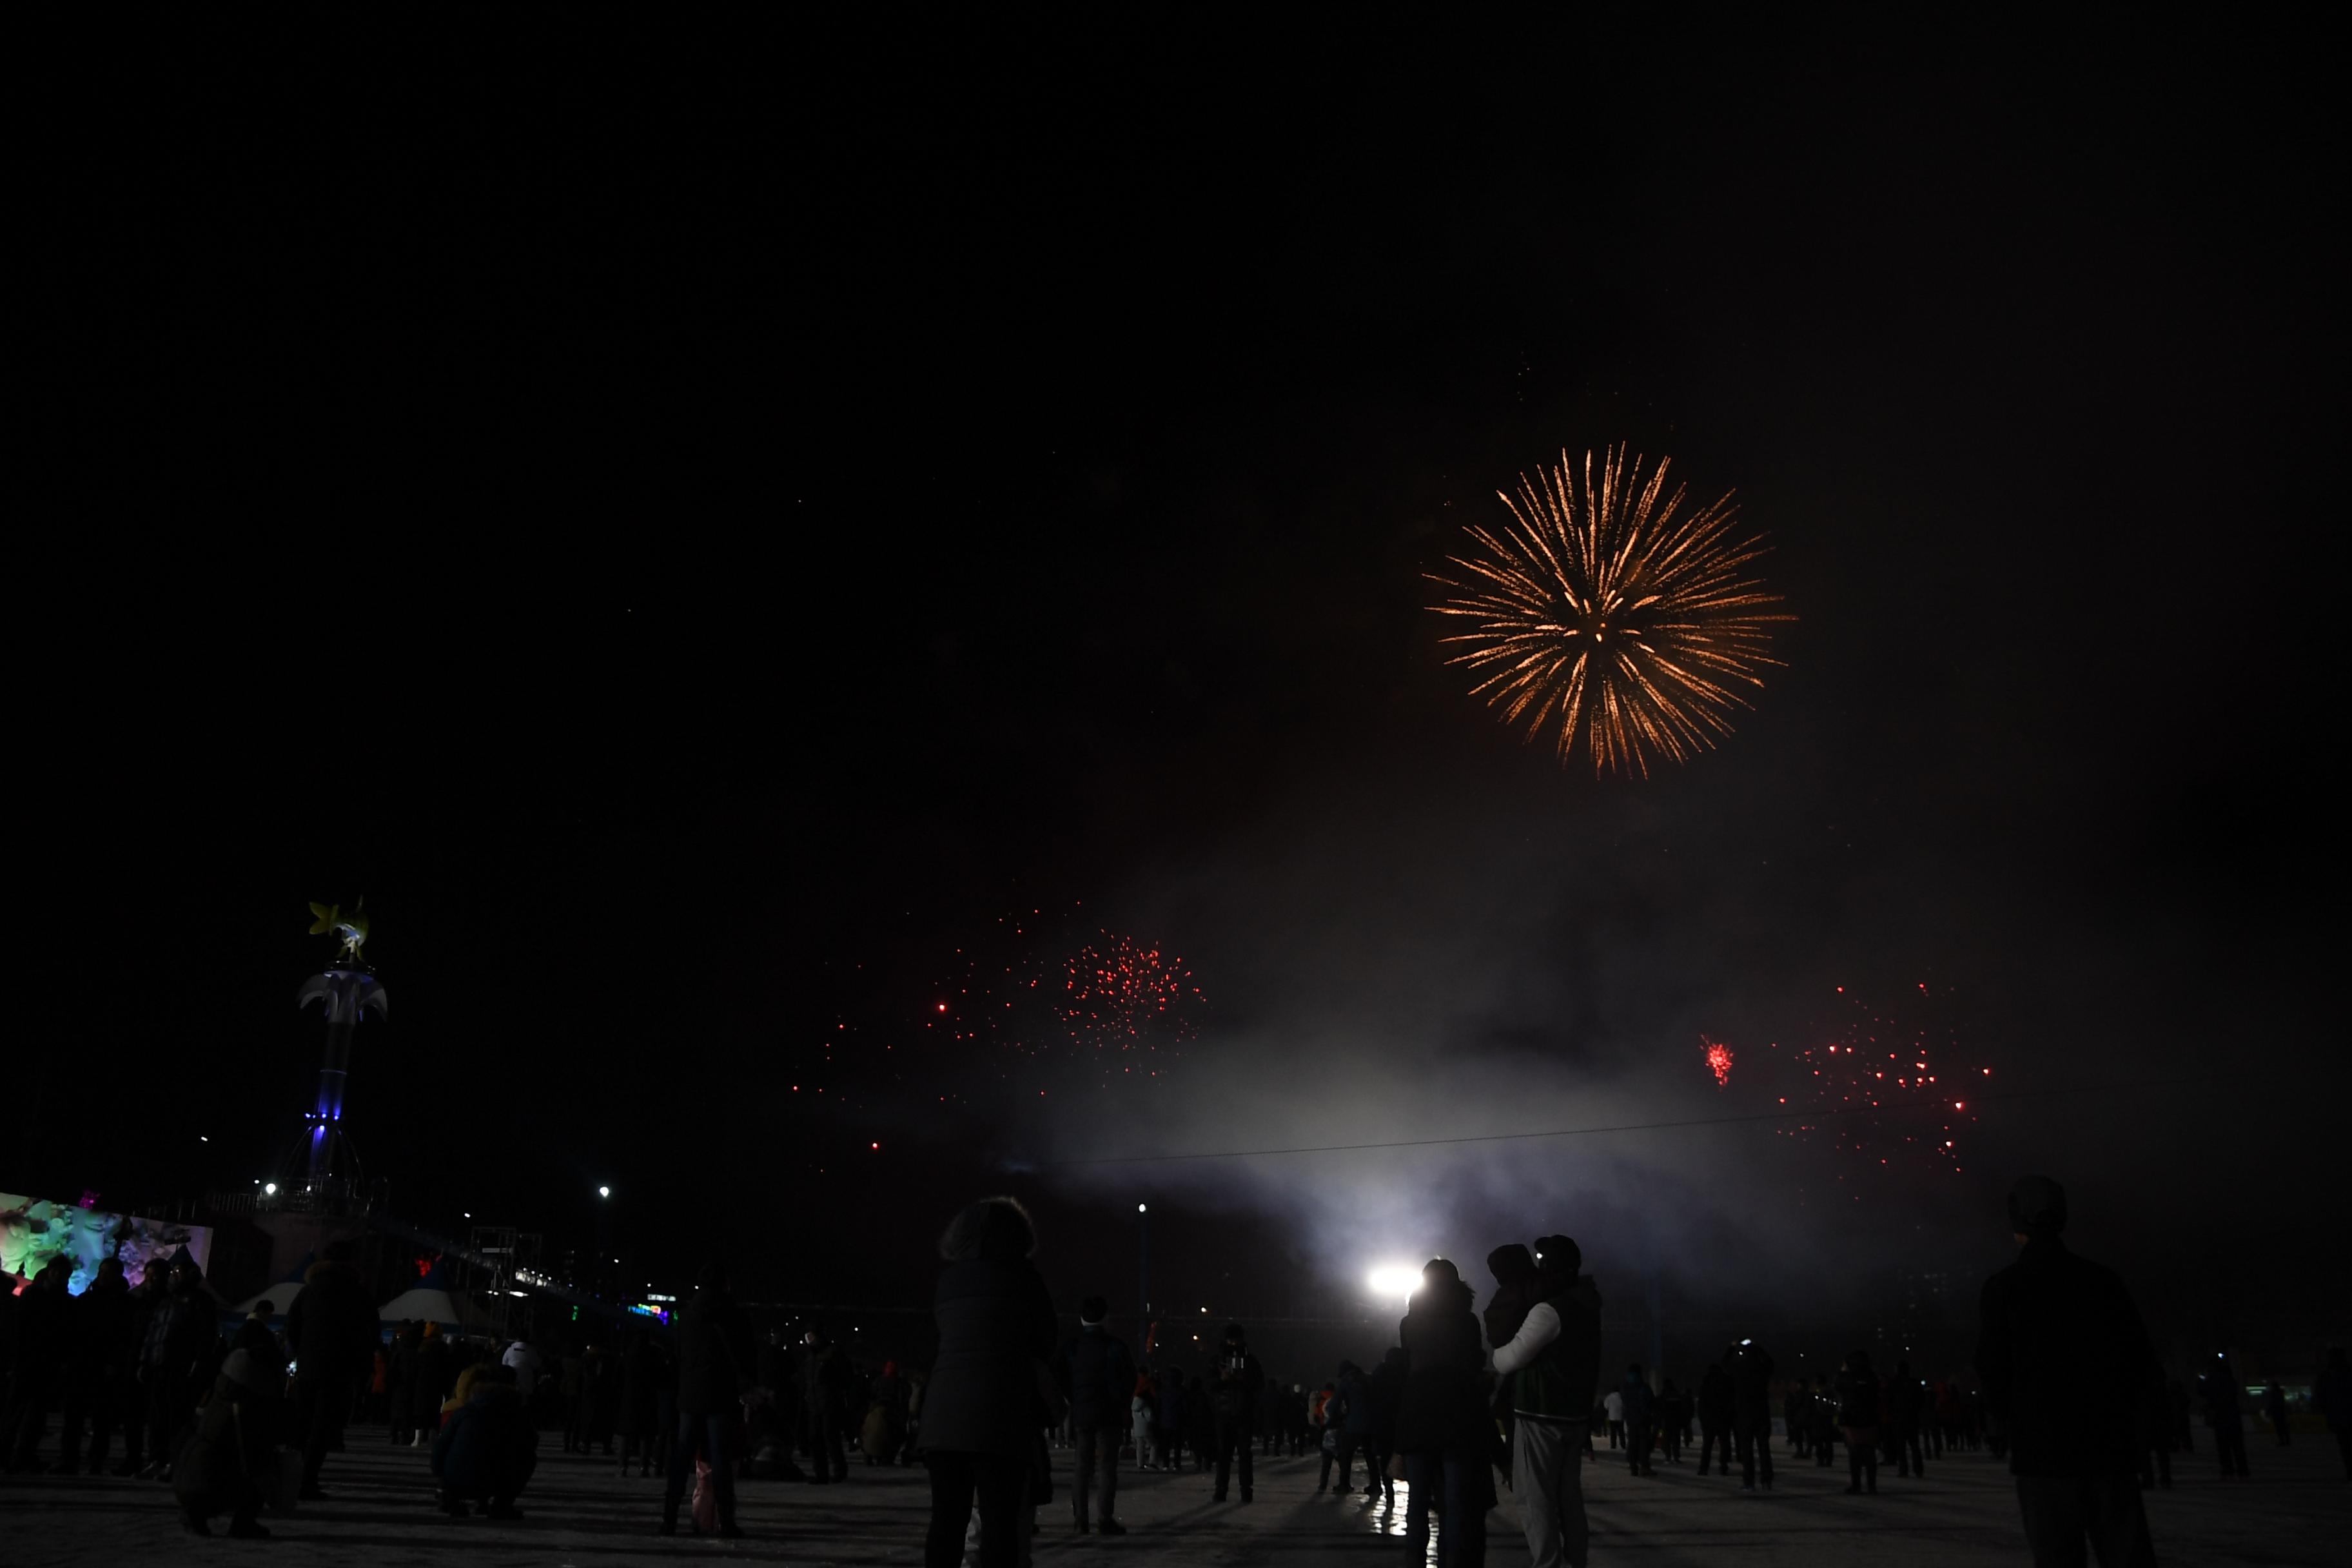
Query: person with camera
[{"x": 1234, "y": 1400}]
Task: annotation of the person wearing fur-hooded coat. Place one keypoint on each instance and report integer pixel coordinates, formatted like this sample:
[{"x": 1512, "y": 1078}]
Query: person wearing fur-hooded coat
[{"x": 988, "y": 1396}]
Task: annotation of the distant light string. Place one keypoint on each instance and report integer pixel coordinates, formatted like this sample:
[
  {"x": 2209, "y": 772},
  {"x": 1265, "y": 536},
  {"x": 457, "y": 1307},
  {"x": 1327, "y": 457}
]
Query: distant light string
[{"x": 1942, "y": 1107}]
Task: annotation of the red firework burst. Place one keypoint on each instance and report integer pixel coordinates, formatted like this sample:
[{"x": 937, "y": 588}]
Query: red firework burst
[
  {"x": 1125, "y": 995},
  {"x": 1880, "y": 1087},
  {"x": 1719, "y": 1060},
  {"x": 1034, "y": 986}
]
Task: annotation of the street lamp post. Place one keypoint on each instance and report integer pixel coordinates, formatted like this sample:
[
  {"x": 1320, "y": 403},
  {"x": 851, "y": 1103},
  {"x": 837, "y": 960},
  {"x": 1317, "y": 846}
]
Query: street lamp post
[
  {"x": 604, "y": 1237},
  {"x": 1143, "y": 1268}
]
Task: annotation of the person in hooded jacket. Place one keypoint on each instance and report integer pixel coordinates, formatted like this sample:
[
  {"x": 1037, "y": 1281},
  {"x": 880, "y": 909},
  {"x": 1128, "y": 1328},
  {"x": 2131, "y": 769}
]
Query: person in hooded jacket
[
  {"x": 2062, "y": 1350},
  {"x": 1857, "y": 1414},
  {"x": 131, "y": 1392},
  {"x": 1822, "y": 1418},
  {"x": 1350, "y": 1417},
  {"x": 1715, "y": 1419},
  {"x": 401, "y": 1396},
  {"x": 1232, "y": 1401},
  {"x": 37, "y": 1362},
  {"x": 2225, "y": 1415},
  {"x": 640, "y": 1402},
  {"x": 2333, "y": 1395},
  {"x": 1751, "y": 1412},
  {"x": 1554, "y": 1365},
  {"x": 1444, "y": 1429},
  {"x": 825, "y": 1384},
  {"x": 1384, "y": 1397},
  {"x": 988, "y": 1394},
  {"x": 1674, "y": 1421},
  {"x": 225, "y": 1464},
  {"x": 332, "y": 1330},
  {"x": 1640, "y": 1412},
  {"x": 487, "y": 1447},
  {"x": 180, "y": 1358},
  {"x": 716, "y": 1362},
  {"x": 1906, "y": 1397},
  {"x": 1101, "y": 1378},
  {"x": 2155, "y": 1449},
  {"x": 432, "y": 1384},
  {"x": 100, "y": 1334},
  {"x": 1171, "y": 1425}
]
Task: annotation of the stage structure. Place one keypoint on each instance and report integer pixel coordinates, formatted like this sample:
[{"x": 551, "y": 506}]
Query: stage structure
[{"x": 346, "y": 989}]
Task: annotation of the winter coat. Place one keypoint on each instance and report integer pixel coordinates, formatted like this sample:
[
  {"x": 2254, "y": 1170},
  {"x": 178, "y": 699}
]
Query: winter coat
[
  {"x": 1554, "y": 1360},
  {"x": 825, "y": 1384},
  {"x": 332, "y": 1328},
  {"x": 432, "y": 1380},
  {"x": 181, "y": 1332},
  {"x": 1384, "y": 1396},
  {"x": 1857, "y": 1404},
  {"x": 1101, "y": 1379},
  {"x": 715, "y": 1355},
  {"x": 1636, "y": 1397},
  {"x": 102, "y": 1336},
  {"x": 1751, "y": 1386},
  {"x": 139, "y": 1315},
  {"x": 487, "y": 1447},
  {"x": 222, "y": 1468},
  {"x": 1171, "y": 1404},
  {"x": 640, "y": 1388},
  {"x": 1714, "y": 1398},
  {"x": 1355, "y": 1402},
  {"x": 1233, "y": 1390},
  {"x": 996, "y": 1327},
  {"x": 1444, "y": 1396},
  {"x": 400, "y": 1381},
  {"x": 2333, "y": 1395},
  {"x": 2062, "y": 1354}
]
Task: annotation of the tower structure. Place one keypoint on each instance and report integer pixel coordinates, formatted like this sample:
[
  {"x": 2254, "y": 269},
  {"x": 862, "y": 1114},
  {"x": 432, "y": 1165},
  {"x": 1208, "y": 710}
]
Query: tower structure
[{"x": 345, "y": 990}]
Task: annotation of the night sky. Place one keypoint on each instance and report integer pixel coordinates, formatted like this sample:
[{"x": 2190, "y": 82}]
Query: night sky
[{"x": 697, "y": 527}]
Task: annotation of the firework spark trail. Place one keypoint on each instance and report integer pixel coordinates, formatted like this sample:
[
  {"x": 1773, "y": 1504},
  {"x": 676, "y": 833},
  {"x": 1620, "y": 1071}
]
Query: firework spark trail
[
  {"x": 1881, "y": 1060},
  {"x": 1035, "y": 988},
  {"x": 1605, "y": 610},
  {"x": 1719, "y": 1060}
]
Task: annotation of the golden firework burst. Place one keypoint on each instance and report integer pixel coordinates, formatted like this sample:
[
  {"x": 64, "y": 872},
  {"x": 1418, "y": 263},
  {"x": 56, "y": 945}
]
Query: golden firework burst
[{"x": 1607, "y": 613}]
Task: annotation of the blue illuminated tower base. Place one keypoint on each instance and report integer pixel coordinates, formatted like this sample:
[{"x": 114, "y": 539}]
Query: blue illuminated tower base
[{"x": 346, "y": 994}]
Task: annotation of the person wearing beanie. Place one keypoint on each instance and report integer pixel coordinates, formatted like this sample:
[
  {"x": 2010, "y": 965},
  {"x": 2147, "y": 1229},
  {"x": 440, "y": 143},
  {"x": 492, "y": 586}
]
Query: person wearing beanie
[
  {"x": 2063, "y": 1356},
  {"x": 1101, "y": 1378},
  {"x": 1553, "y": 1363}
]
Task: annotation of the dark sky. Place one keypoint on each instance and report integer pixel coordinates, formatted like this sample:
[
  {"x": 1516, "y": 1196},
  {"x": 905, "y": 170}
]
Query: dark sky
[{"x": 695, "y": 527}]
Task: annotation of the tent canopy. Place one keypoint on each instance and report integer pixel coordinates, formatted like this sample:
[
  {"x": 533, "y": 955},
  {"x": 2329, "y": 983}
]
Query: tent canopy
[
  {"x": 426, "y": 1305},
  {"x": 279, "y": 1296}
]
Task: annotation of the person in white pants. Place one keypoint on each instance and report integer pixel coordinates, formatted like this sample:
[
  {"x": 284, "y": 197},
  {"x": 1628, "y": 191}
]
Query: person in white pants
[
  {"x": 1140, "y": 1408},
  {"x": 1554, "y": 1362}
]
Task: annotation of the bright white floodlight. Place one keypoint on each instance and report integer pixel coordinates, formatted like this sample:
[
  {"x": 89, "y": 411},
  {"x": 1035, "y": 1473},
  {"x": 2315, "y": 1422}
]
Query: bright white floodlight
[{"x": 1394, "y": 1282}]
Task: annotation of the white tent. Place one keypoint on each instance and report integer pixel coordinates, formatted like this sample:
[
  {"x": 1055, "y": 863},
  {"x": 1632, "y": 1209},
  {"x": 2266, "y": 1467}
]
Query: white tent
[
  {"x": 422, "y": 1305},
  {"x": 279, "y": 1296}
]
